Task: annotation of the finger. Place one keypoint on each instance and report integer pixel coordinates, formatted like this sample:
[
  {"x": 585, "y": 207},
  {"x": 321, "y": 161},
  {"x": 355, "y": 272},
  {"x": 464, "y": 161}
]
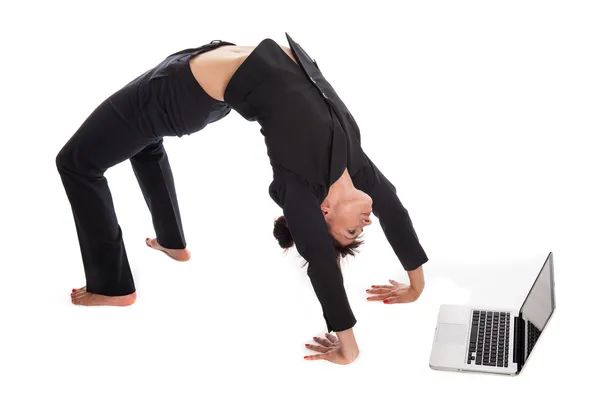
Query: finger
[
  {"x": 331, "y": 337},
  {"x": 378, "y": 297},
  {"x": 382, "y": 286},
  {"x": 322, "y": 341},
  {"x": 317, "y": 348},
  {"x": 319, "y": 356},
  {"x": 398, "y": 285},
  {"x": 403, "y": 298},
  {"x": 379, "y": 290}
]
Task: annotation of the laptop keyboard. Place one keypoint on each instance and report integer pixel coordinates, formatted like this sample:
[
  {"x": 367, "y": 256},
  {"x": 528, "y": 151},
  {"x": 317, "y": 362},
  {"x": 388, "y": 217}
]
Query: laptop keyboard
[
  {"x": 488, "y": 343},
  {"x": 533, "y": 333}
]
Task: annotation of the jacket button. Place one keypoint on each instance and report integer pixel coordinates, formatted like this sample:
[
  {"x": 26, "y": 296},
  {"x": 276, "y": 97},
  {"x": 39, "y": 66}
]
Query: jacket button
[
  {"x": 324, "y": 95},
  {"x": 313, "y": 80}
]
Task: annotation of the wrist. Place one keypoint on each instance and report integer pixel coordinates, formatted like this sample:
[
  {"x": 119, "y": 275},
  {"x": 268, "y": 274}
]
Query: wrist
[
  {"x": 417, "y": 280},
  {"x": 348, "y": 345}
]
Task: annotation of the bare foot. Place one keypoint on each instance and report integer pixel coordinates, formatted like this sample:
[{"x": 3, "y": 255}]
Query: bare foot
[
  {"x": 181, "y": 255},
  {"x": 82, "y": 297}
]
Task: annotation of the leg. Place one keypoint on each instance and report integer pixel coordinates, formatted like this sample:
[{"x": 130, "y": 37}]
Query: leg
[
  {"x": 102, "y": 141},
  {"x": 153, "y": 172}
]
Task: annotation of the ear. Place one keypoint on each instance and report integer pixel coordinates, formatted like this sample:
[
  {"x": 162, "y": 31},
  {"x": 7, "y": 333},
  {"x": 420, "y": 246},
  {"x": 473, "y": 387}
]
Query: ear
[{"x": 326, "y": 210}]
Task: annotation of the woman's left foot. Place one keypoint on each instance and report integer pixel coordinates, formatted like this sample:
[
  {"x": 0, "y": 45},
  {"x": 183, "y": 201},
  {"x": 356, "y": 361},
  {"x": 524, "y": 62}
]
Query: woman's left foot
[
  {"x": 82, "y": 297},
  {"x": 181, "y": 255}
]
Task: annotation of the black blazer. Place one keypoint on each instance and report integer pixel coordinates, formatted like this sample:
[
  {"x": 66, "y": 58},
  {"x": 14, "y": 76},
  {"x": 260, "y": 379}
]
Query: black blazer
[{"x": 311, "y": 137}]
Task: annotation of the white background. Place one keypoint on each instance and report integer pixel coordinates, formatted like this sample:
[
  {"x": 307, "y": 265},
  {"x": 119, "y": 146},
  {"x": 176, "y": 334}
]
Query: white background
[{"x": 483, "y": 114}]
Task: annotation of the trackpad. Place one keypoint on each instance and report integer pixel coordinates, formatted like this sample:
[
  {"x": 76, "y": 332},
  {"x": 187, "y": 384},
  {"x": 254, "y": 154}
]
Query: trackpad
[{"x": 453, "y": 334}]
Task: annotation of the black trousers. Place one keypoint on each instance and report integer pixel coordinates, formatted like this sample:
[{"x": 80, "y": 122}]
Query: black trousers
[{"x": 130, "y": 124}]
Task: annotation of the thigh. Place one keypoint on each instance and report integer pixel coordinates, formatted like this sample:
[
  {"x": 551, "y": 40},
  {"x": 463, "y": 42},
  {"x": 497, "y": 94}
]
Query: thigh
[
  {"x": 153, "y": 151},
  {"x": 103, "y": 140}
]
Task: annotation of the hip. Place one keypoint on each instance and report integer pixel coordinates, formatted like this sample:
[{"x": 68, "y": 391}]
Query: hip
[{"x": 167, "y": 99}]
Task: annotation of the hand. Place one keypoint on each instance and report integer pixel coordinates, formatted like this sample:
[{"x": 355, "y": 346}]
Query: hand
[
  {"x": 395, "y": 293},
  {"x": 330, "y": 349}
]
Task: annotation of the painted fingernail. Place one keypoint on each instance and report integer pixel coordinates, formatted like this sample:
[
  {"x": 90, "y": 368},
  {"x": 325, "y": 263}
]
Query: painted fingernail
[
  {"x": 386, "y": 301},
  {"x": 74, "y": 290},
  {"x": 372, "y": 286},
  {"x": 306, "y": 345},
  {"x": 306, "y": 357}
]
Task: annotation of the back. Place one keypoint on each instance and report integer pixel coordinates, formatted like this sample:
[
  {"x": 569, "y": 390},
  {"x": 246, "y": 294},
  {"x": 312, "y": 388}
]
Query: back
[{"x": 270, "y": 88}]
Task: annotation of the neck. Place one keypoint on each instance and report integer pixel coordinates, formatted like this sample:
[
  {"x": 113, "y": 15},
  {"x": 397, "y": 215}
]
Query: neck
[{"x": 340, "y": 190}]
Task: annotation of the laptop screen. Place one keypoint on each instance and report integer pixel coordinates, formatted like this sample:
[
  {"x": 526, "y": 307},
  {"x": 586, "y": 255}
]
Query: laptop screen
[{"x": 539, "y": 304}]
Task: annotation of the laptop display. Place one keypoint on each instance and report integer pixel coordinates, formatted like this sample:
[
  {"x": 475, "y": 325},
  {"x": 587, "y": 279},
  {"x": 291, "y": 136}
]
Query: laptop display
[{"x": 539, "y": 305}]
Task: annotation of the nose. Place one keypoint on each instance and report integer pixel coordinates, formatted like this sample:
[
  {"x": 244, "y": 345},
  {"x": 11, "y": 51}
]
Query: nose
[{"x": 366, "y": 219}]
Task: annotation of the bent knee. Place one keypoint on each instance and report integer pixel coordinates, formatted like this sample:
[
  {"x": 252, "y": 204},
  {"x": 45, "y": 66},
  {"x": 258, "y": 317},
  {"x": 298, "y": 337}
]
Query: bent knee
[{"x": 63, "y": 159}]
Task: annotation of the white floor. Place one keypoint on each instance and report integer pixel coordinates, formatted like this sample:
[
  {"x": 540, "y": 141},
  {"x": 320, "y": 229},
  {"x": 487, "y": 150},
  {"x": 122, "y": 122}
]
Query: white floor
[{"x": 483, "y": 118}]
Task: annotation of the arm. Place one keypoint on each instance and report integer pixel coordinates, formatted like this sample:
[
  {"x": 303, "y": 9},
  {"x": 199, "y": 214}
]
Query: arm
[
  {"x": 311, "y": 236},
  {"x": 394, "y": 220}
]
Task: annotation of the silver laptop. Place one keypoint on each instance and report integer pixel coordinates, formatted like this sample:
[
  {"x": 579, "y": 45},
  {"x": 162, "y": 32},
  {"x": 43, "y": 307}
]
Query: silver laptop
[{"x": 475, "y": 339}]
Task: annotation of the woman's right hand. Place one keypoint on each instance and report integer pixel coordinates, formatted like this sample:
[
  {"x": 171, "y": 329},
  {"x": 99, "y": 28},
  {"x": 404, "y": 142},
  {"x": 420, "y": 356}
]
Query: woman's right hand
[{"x": 333, "y": 349}]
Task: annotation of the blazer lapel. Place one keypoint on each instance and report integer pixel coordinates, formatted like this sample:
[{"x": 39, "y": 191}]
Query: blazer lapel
[
  {"x": 339, "y": 150},
  {"x": 306, "y": 62}
]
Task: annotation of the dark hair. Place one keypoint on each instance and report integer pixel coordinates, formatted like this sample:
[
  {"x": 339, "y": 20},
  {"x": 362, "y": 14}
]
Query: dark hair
[{"x": 284, "y": 237}]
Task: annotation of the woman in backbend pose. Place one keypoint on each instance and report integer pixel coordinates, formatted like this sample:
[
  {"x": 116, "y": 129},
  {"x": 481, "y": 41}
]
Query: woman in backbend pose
[{"x": 325, "y": 184}]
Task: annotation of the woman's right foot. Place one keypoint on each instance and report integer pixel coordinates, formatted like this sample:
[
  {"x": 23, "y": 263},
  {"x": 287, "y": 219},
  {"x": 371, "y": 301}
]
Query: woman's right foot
[
  {"x": 82, "y": 297},
  {"x": 180, "y": 255}
]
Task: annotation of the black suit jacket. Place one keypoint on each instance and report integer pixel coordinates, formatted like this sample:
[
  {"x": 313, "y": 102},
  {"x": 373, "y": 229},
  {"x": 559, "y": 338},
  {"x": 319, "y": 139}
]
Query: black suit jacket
[{"x": 311, "y": 137}]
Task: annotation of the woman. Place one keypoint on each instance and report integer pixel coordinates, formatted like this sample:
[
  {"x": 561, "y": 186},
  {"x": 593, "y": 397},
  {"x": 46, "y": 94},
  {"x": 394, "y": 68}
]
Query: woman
[{"x": 324, "y": 182}]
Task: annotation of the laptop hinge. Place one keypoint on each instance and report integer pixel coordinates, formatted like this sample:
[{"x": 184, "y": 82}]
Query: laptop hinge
[{"x": 519, "y": 342}]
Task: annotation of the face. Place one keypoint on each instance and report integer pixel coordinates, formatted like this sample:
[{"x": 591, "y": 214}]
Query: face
[{"x": 347, "y": 219}]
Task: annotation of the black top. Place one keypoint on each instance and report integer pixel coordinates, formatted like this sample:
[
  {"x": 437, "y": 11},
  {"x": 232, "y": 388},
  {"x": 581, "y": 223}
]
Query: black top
[{"x": 311, "y": 137}]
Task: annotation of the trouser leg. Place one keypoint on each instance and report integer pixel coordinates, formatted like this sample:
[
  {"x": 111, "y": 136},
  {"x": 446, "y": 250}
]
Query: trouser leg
[
  {"x": 153, "y": 172},
  {"x": 102, "y": 141}
]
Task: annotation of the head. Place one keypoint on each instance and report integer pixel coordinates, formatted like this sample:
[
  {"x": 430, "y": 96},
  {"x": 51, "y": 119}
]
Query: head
[
  {"x": 348, "y": 217},
  {"x": 347, "y": 247}
]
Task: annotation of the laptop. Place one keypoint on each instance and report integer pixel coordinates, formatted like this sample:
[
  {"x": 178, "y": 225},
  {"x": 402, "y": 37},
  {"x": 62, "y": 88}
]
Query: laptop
[{"x": 499, "y": 341}]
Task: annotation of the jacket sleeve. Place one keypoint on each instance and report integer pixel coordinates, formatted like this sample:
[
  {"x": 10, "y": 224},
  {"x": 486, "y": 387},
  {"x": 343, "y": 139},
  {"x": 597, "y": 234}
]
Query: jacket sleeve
[
  {"x": 392, "y": 215},
  {"x": 313, "y": 242}
]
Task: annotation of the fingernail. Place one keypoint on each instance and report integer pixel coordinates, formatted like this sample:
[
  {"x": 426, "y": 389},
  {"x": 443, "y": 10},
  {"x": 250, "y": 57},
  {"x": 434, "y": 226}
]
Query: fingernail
[
  {"x": 74, "y": 290},
  {"x": 386, "y": 301},
  {"x": 314, "y": 337},
  {"x": 306, "y": 357},
  {"x": 306, "y": 345},
  {"x": 372, "y": 286}
]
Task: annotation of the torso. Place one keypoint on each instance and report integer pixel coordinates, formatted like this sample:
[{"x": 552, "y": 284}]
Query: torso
[{"x": 213, "y": 69}]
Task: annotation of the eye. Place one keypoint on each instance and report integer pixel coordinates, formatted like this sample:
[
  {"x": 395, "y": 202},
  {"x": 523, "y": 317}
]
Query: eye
[{"x": 352, "y": 232}]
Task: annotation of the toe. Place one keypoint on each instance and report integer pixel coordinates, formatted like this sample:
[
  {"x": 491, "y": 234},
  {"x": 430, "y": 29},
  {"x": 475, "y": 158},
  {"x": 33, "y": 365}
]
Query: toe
[
  {"x": 80, "y": 294},
  {"x": 151, "y": 242}
]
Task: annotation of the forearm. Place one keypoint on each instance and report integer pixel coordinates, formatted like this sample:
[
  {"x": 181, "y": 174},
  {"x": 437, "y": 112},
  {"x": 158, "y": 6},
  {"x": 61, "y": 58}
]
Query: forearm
[
  {"x": 417, "y": 279},
  {"x": 328, "y": 285},
  {"x": 348, "y": 344}
]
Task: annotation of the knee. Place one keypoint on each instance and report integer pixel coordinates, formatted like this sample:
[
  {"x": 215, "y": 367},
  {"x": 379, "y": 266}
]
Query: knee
[
  {"x": 62, "y": 159},
  {"x": 65, "y": 160}
]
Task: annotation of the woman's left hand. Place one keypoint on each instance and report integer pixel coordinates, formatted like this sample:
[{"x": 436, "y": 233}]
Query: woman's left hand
[{"x": 395, "y": 293}]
